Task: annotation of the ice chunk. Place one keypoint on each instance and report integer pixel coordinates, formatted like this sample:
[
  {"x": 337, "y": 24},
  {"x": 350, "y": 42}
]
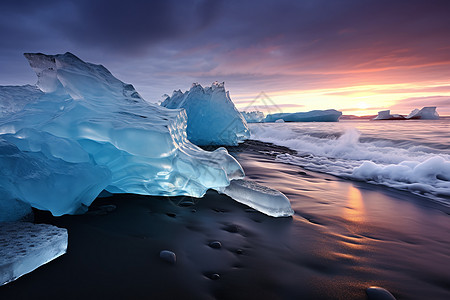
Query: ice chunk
[
  {"x": 329, "y": 115},
  {"x": 426, "y": 113},
  {"x": 253, "y": 116},
  {"x": 45, "y": 181},
  {"x": 12, "y": 209},
  {"x": 26, "y": 246},
  {"x": 386, "y": 115},
  {"x": 90, "y": 131},
  {"x": 212, "y": 117},
  {"x": 266, "y": 200}
]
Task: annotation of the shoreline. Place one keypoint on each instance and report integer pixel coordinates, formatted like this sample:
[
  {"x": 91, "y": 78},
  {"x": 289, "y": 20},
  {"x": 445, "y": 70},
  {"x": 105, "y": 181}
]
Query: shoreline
[{"x": 344, "y": 237}]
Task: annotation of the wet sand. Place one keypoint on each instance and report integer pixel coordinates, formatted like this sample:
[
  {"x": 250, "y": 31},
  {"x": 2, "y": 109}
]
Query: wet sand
[{"x": 344, "y": 237}]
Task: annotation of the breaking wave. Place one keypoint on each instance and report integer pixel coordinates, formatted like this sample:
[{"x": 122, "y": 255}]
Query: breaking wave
[{"x": 418, "y": 165}]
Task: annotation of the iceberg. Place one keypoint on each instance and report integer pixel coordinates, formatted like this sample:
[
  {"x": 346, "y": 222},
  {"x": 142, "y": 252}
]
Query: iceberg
[
  {"x": 253, "y": 116},
  {"x": 329, "y": 115},
  {"x": 82, "y": 131},
  {"x": 27, "y": 246},
  {"x": 212, "y": 118},
  {"x": 426, "y": 113},
  {"x": 386, "y": 115}
]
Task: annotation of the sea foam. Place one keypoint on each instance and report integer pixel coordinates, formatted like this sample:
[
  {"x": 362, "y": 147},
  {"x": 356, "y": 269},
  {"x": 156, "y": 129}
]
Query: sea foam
[{"x": 407, "y": 166}]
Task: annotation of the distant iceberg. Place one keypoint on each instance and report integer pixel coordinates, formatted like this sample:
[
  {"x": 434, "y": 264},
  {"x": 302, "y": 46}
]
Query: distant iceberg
[
  {"x": 82, "y": 130},
  {"x": 329, "y": 115},
  {"x": 426, "y": 113},
  {"x": 386, "y": 115},
  {"x": 253, "y": 116},
  {"x": 212, "y": 118}
]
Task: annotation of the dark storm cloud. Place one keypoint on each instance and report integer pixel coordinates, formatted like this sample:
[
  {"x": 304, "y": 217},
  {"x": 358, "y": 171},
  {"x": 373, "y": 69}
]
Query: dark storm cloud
[
  {"x": 253, "y": 45},
  {"x": 296, "y": 27}
]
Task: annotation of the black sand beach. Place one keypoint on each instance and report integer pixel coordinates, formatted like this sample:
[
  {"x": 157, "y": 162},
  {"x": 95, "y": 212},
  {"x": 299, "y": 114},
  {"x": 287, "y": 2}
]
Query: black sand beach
[{"x": 344, "y": 237}]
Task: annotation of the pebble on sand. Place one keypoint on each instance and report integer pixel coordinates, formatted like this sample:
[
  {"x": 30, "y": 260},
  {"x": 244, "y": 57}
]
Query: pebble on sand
[
  {"x": 215, "y": 245},
  {"x": 168, "y": 256},
  {"x": 378, "y": 293}
]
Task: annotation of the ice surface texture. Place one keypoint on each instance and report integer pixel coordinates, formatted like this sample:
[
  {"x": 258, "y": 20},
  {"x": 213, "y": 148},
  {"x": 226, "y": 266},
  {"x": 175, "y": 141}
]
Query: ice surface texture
[
  {"x": 264, "y": 199},
  {"x": 26, "y": 246},
  {"x": 84, "y": 131},
  {"x": 212, "y": 117},
  {"x": 329, "y": 115}
]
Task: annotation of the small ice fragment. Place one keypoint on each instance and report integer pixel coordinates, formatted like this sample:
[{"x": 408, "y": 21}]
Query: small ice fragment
[
  {"x": 266, "y": 200},
  {"x": 27, "y": 246},
  {"x": 168, "y": 256}
]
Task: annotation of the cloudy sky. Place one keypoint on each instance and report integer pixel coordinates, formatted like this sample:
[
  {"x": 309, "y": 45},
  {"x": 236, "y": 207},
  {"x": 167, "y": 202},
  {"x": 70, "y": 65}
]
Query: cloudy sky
[{"x": 358, "y": 56}]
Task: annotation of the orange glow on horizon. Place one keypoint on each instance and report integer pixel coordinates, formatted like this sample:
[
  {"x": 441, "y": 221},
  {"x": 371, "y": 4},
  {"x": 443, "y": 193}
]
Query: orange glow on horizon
[{"x": 352, "y": 100}]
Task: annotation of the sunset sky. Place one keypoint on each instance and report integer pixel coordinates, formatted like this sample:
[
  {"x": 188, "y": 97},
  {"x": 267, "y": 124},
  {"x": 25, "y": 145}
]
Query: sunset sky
[{"x": 357, "y": 56}]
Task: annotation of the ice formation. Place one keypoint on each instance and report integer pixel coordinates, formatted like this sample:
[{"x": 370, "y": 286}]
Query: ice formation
[
  {"x": 253, "y": 116},
  {"x": 329, "y": 115},
  {"x": 212, "y": 118},
  {"x": 84, "y": 131},
  {"x": 264, "y": 199},
  {"x": 26, "y": 246},
  {"x": 426, "y": 113},
  {"x": 386, "y": 115}
]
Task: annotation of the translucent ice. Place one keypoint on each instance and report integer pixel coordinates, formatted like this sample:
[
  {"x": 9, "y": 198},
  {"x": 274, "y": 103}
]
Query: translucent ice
[
  {"x": 212, "y": 117},
  {"x": 26, "y": 246},
  {"x": 426, "y": 113},
  {"x": 14, "y": 98},
  {"x": 253, "y": 116},
  {"x": 266, "y": 200},
  {"x": 329, "y": 115},
  {"x": 84, "y": 131}
]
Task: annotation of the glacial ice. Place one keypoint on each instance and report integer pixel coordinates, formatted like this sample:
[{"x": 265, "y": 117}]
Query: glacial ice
[
  {"x": 27, "y": 246},
  {"x": 14, "y": 98},
  {"x": 262, "y": 198},
  {"x": 386, "y": 115},
  {"x": 84, "y": 131},
  {"x": 212, "y": 118},
  {"x": 426, "y": 113},
  {"x": 253, "y": 116},
  {"x": 329, "y": 115}
]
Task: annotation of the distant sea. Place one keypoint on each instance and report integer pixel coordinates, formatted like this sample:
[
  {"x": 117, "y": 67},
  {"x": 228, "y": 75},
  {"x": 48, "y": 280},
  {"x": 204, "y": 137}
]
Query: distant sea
[{"x": 411, "y": 155}]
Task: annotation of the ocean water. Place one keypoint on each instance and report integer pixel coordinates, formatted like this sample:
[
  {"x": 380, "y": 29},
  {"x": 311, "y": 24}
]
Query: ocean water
[{"x": 411, "y": 155}]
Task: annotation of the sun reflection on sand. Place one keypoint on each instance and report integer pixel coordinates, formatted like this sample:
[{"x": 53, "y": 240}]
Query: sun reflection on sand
[{"x": 354, "y": 211}]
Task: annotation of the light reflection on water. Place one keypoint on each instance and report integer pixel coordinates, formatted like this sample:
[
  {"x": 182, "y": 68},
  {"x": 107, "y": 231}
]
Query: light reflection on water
[
  {"x": 358, "y": 234},
  {"x": 355, "y": 211}
]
